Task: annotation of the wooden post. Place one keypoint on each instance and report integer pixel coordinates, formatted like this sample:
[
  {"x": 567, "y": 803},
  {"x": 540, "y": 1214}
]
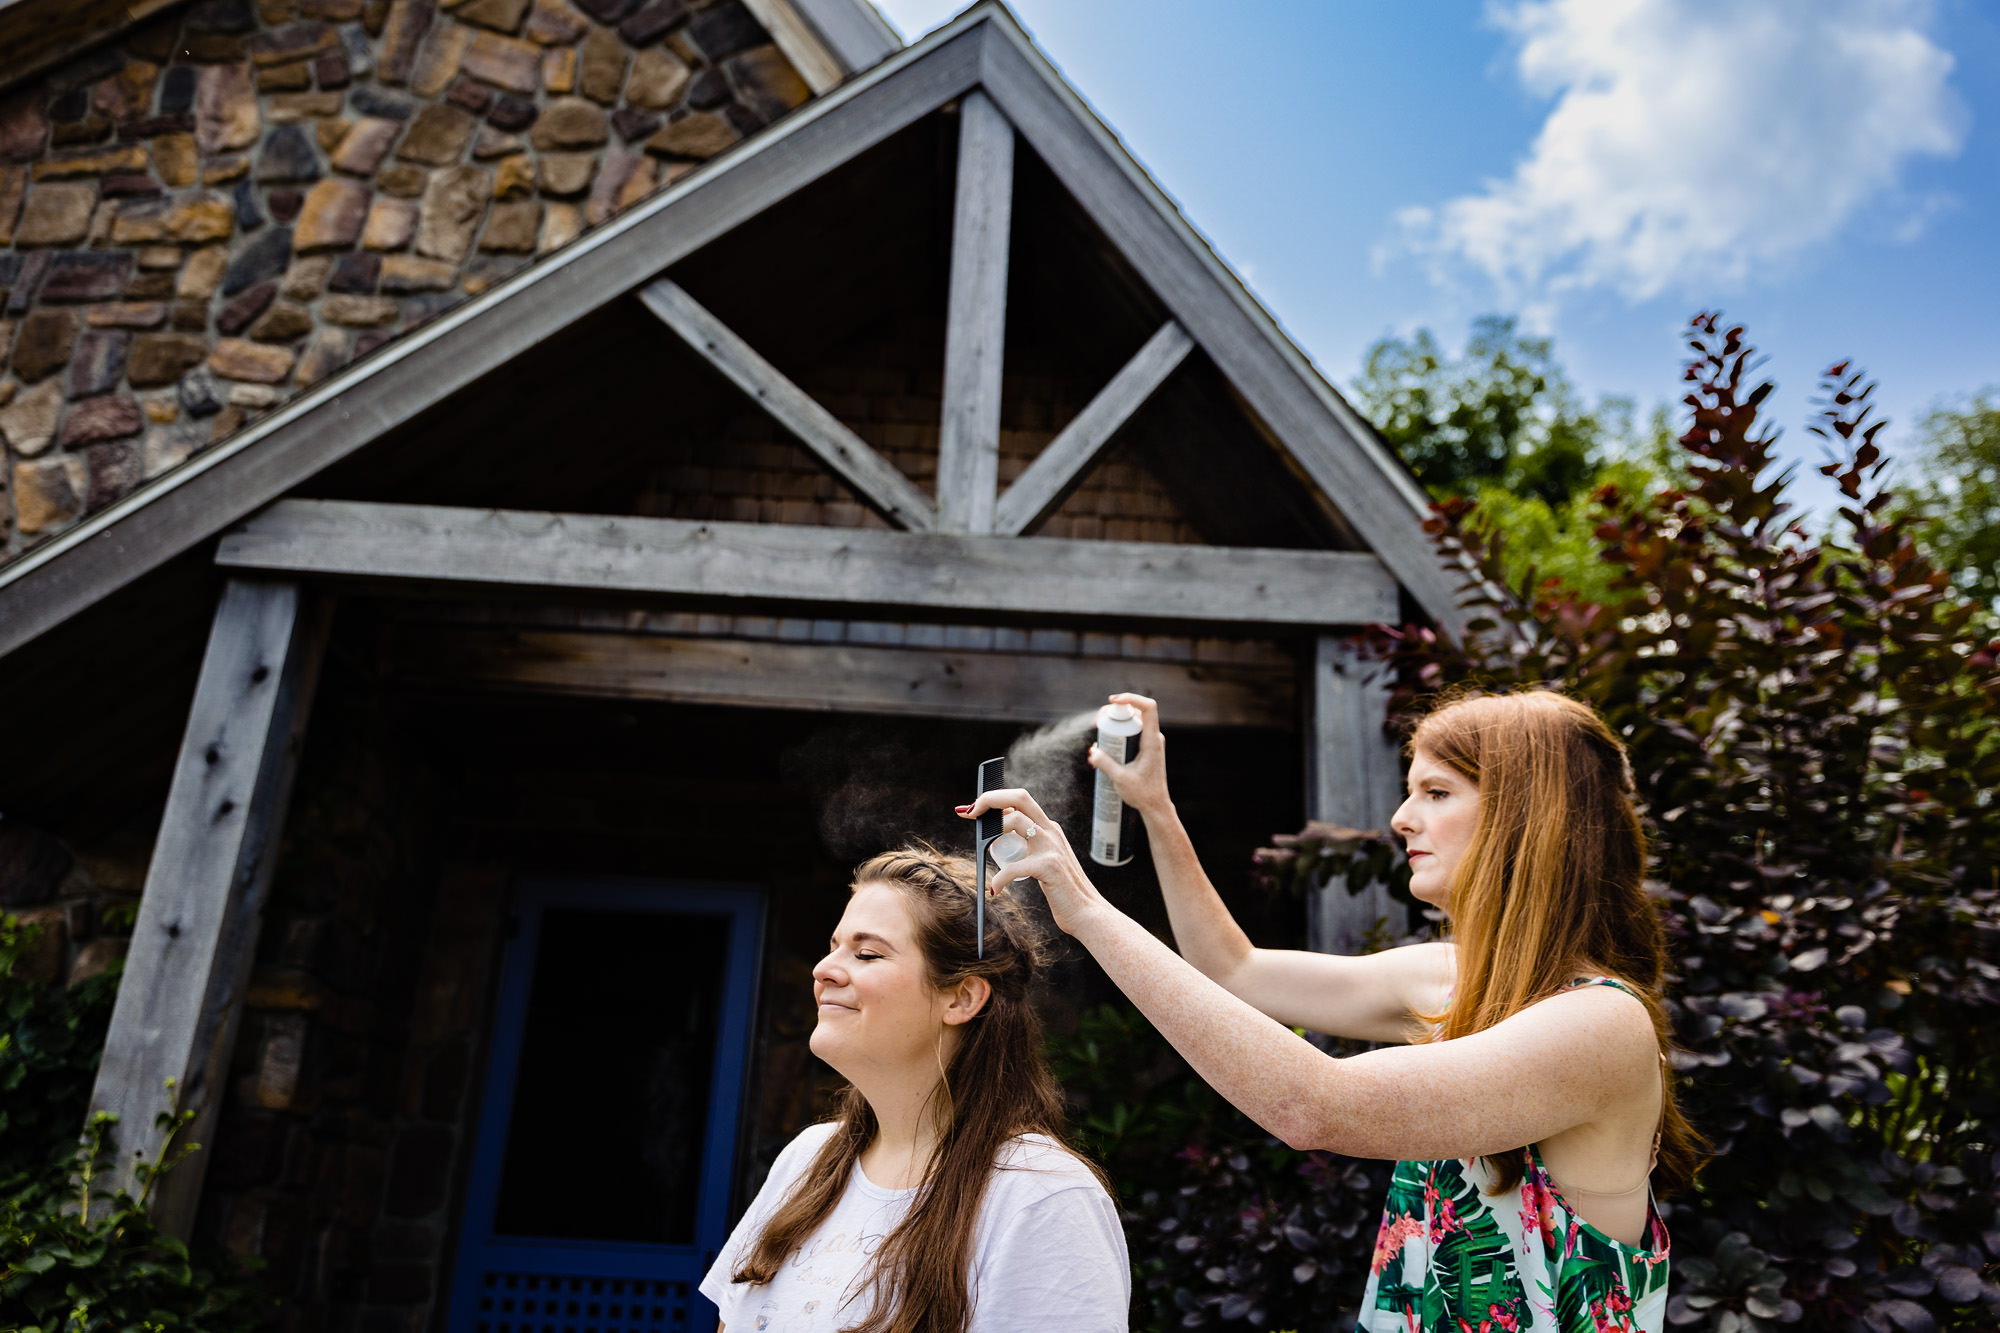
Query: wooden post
[
  {"x": 197, "y": 926},
  {"x": 976, "y": 321},
  {"x": 1037, "y": 491},
  {"x": 1354, "y": 778}
]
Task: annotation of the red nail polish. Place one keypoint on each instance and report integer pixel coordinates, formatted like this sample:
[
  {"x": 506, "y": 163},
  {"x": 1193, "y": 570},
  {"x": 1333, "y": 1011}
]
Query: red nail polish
[{"x": 961, "y": 808}]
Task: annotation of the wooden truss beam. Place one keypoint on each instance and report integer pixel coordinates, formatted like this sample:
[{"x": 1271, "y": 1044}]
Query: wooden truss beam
[
  {"x": 838, "y": 677},
  {"x": 177, "y": 1008},
  {"x": 1354, "y": 777},
  {"x": 1335, "y": 447},
  {"x": 777, "y": 563},
  {"x": 1037, "y": 491},
  {"x": 878, "y": 481},
  {"x": 108, "y": 550},
  {"x": 975, "y": 331},
  {"x": 985, "y": 50}
]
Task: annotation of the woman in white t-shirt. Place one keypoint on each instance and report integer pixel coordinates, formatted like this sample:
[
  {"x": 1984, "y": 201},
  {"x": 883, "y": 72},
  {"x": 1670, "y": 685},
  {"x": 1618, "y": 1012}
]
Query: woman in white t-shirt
[{"x": 941, "y": 1198}]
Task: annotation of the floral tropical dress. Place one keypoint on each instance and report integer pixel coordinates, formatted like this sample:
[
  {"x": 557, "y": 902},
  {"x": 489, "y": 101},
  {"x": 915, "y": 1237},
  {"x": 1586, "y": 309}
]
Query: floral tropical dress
[{"x": 1451, "y": 1258}]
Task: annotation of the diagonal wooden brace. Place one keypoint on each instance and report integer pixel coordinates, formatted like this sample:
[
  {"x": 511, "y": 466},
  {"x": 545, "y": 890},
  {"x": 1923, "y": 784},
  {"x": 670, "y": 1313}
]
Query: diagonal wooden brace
[{"x": 878, "y": 481}]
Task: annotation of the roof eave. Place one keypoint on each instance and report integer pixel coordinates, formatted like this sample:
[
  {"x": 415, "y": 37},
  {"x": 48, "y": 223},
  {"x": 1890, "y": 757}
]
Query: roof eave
[{"x": 985, "y": 45}]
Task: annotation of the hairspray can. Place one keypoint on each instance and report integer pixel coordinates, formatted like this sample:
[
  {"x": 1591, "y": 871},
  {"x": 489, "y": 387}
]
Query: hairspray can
[{"x": 1112, "y": 826}]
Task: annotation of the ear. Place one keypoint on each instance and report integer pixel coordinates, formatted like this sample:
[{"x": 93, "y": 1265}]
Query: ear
[{"x": 968, "y": 998}]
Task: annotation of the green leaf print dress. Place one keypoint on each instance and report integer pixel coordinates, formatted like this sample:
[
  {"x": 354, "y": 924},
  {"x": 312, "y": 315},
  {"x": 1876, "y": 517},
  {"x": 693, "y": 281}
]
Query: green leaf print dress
[{"x": 1451, "y": 1258}]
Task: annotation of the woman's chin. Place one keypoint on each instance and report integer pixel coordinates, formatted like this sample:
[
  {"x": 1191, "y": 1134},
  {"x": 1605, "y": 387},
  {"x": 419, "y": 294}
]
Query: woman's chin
[
  {"x": 1426, "y": 892},
  {"x": 824, "y": 1044}
]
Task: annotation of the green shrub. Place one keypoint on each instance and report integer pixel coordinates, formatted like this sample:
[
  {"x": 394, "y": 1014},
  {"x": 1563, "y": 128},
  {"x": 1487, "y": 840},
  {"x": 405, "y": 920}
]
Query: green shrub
[
  {"x": 73, "y": 1256},
  {"x": 1812, "y": 723}
]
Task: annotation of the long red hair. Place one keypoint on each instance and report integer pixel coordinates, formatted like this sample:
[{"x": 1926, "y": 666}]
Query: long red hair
[{"x": 1552, "y": 884}]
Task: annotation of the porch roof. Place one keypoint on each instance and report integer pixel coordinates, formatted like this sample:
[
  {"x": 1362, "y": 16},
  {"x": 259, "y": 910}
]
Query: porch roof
[{"x": 984, "y": 50}]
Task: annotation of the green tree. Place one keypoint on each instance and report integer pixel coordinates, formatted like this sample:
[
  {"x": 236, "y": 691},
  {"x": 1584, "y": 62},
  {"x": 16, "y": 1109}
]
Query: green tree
[
  {"x": 1502, "y": 414},
  {"x": 1957, "y": 500},
  {"x": 1502, "y": 425},
  {"x": 1540, "y": 542}
]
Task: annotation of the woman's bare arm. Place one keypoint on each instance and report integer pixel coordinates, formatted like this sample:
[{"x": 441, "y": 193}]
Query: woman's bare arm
[
  {"x": 1369, "y": 998},
  {"x": 1593, "y": 1051}
]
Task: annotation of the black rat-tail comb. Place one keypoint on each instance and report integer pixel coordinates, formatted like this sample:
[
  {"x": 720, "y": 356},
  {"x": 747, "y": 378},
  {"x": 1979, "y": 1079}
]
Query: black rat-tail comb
[{"x": 992, "y": 775}]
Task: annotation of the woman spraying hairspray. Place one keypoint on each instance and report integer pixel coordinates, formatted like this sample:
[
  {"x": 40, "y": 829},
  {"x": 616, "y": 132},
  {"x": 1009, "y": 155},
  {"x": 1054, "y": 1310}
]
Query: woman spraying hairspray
[{"x": 1522, "y": 1087}]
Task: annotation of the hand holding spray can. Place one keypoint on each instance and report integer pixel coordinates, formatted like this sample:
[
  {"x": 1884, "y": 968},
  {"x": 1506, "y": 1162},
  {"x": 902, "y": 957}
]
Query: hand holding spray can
[{"x": 1112, "y": 826}]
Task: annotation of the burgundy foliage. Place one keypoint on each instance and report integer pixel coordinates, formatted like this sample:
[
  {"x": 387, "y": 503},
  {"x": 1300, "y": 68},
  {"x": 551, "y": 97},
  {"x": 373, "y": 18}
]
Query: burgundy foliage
[{"x": 1811, "y": 720}]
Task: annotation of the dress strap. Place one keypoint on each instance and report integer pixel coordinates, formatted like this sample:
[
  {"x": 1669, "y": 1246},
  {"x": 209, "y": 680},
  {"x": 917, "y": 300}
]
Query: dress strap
[{"x": 1574, "y": 982}]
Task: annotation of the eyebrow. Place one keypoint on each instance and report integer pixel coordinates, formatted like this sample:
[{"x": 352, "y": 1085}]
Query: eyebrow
[{"x": 860, "y": 935}]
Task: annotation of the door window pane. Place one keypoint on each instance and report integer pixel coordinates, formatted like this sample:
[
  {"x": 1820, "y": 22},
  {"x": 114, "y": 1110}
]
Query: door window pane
[{"x": 610, "y": 1113}]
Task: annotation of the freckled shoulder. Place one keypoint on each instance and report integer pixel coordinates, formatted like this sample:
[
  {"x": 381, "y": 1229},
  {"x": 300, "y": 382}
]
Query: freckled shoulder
[{"x": 1613, "y": 1019}]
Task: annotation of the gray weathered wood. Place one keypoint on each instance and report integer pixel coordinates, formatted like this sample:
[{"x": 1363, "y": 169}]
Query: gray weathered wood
[
  {"x": 877, "y": 480},
  {"x": 854, "y": 30},
  {"x": 776, "y": 563},
  {"x": 196, "y": 932},
  {"x": 164, "y": 518},
  {"x": 845, "y": 678},
  {"x": 1355, "y": 776},
  {"x": 975, "y": 331},
  {"x": 809, "y": 53},
  {"x": 1040, "y": 488},
  {"x": 1337, "y": 450},
  {"x": 983, "y": 47}
]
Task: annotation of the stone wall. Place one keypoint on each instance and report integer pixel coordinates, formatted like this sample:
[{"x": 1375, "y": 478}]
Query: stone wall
[
  {"x": 81, "y": 902},
  {"x": 238, "y": 198}
]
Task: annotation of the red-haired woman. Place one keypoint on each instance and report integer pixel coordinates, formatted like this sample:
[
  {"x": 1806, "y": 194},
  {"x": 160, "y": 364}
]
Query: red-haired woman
[
  {"x": 1524, "y": 1092},
  {"x": 941, "y": 1198}
]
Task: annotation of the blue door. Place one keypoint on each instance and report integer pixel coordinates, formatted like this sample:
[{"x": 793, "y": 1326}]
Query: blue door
[{"x": 599, "y": 1191}]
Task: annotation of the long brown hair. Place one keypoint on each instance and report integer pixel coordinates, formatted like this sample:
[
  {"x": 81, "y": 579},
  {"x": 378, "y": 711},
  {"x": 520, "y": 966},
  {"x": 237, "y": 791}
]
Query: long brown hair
[
  {"x": 997, "y": 1085},
  {"x": 1552, "y": 883}
]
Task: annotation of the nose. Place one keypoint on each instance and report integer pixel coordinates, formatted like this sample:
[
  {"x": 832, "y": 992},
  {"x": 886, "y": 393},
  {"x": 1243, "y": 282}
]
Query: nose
[
  {"x": 829, "y": 973},
  {"x": 1402, "y": 821}
]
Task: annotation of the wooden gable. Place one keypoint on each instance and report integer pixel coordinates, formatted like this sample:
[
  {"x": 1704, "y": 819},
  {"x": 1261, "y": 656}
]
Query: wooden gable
[
  {"x": 984, "y": 61},
  {"x": 933, "y": 353}
]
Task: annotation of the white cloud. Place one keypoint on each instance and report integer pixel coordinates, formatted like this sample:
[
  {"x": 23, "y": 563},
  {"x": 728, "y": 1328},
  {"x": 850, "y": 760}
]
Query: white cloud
[{"x": 1691, "y": 142}]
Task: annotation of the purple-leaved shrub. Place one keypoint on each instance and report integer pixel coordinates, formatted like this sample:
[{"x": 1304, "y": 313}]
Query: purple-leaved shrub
[{"x": 1812, "y": 722}]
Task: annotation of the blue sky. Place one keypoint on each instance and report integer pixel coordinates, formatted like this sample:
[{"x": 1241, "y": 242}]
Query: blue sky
[{"x": 1826, "y": 171}]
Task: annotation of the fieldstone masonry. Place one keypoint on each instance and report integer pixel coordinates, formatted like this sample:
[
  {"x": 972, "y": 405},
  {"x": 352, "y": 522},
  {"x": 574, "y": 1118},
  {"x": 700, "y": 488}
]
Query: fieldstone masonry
[
  {"x": 81, "y": 904},
  {"x": 238, "y": 198}
]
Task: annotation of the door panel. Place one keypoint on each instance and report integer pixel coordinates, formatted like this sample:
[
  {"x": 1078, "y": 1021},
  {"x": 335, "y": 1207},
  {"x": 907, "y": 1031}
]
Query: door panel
[{"x": 601, "y": 1172}]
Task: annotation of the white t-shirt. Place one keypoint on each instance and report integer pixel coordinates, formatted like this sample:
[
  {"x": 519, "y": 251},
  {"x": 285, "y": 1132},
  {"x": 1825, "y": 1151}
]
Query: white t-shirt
[{"x": 1047, "y": 1250}]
